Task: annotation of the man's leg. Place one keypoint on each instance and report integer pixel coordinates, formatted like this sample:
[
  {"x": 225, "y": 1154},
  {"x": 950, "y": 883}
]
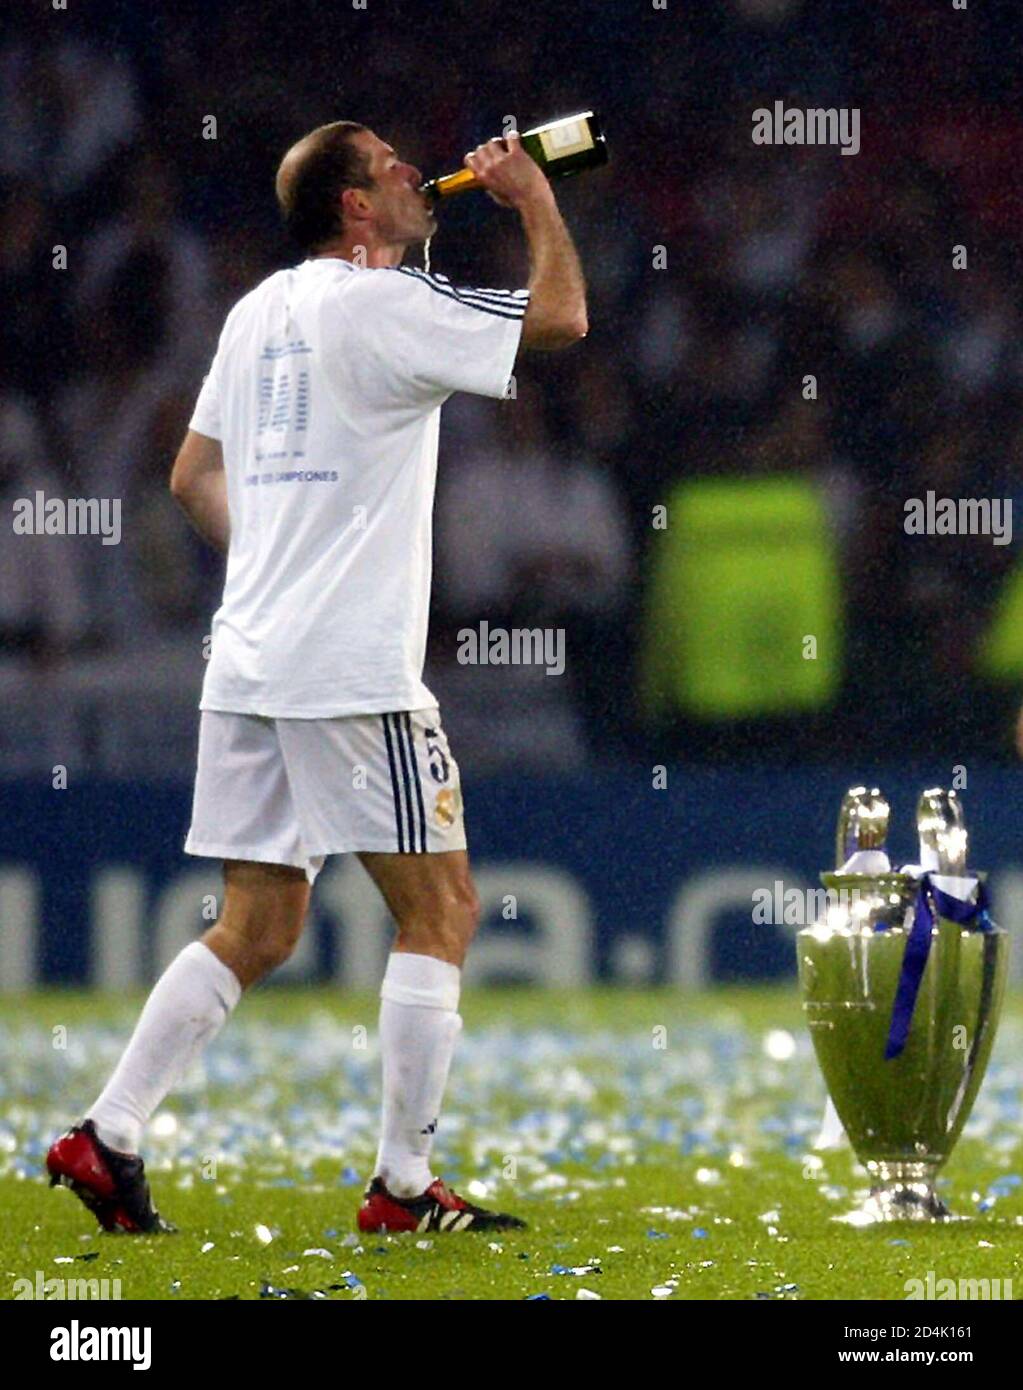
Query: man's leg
[
  {"x": 434, "y": 902},
  {"x": 264, "y": 911}
]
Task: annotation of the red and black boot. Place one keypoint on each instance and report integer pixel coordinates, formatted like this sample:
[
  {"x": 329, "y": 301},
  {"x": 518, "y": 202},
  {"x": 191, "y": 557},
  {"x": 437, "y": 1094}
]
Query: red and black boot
[
  {"x": 436, "y": 1209},
  {"x": 112, "y": 1185}
]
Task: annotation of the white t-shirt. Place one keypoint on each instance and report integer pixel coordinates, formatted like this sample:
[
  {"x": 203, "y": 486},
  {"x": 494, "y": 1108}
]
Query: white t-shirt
[{"x": 325, "y": 393}]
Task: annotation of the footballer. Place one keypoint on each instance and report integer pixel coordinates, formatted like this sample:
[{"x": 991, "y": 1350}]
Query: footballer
[{"x": 311, "y": 460}]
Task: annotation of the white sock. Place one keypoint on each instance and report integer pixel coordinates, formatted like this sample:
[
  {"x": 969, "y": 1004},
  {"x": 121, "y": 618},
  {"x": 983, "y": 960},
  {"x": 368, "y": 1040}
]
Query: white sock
[
  {"x": 188, "y": 1006},
  {"x": 419, "y": 1025}
]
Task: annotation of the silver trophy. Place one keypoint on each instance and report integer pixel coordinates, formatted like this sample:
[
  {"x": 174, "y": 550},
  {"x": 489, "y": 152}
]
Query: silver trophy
[{"x": 902, "y": 985}]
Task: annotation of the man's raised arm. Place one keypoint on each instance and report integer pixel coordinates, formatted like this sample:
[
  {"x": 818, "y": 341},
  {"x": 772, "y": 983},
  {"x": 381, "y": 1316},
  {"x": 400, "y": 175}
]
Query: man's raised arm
[{"x": 556, "y": 314}]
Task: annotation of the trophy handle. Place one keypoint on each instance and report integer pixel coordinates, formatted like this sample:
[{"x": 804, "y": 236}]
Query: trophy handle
[
  {"x": 862, "y": 822},
  {"x": 942, "y": 831}
]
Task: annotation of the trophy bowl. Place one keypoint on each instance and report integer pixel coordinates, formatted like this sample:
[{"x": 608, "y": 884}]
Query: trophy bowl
[{"x": 902, "y": 1114}]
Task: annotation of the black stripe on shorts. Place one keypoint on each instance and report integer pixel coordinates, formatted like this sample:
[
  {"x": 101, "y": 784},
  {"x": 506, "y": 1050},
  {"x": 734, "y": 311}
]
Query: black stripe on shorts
[
  {"x": 419, "y": 786},
  {"x": 406, "y": 756},
  {"x": 395, "y": 785}
]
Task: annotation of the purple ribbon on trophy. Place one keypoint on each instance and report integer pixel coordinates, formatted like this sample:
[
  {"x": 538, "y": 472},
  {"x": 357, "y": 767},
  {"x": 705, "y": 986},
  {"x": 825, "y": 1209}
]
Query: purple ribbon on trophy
[{"x": 931, "y": 903}]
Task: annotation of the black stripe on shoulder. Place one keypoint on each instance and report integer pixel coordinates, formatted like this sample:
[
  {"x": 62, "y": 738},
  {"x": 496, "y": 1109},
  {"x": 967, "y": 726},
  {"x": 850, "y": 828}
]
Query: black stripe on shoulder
[
  {"x": 505, "y": 309},
  {"x": 485, "y": 293},
  {"x": 473, "y": 291}
]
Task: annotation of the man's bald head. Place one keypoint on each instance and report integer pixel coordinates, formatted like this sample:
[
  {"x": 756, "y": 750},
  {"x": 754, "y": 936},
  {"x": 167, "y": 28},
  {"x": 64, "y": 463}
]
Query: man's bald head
[{"x": 312, "y": 177}]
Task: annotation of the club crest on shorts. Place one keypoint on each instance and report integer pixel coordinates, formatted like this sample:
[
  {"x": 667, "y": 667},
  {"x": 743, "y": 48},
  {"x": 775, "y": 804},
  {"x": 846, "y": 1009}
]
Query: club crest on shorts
[{"x": 446, "y": 806}]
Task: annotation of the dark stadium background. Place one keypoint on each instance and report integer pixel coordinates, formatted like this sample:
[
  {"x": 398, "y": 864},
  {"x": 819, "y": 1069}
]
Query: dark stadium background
[{"x": 780, "y": 262}]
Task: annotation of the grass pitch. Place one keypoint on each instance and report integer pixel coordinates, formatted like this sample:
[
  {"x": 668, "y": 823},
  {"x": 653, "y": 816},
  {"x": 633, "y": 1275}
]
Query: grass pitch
[{"x": 659, "y": 1145}]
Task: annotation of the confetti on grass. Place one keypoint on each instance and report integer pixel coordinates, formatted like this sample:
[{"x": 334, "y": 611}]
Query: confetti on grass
[{"x": 598, "y": 1140}]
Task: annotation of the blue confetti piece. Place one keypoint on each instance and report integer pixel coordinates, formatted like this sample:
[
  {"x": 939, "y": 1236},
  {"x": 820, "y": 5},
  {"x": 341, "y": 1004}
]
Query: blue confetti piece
[
  {"x": 538, "y": 1298},
  {"x": 656, "y": 1235},
  {"x": 699, "y": 1233}
]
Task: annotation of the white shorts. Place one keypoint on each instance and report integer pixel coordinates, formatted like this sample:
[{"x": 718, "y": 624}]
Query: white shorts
[{"x": 292, "y": 791}]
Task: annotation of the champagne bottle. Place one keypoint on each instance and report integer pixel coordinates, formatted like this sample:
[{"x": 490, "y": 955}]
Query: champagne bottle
[{"x": 560, "y": 148}]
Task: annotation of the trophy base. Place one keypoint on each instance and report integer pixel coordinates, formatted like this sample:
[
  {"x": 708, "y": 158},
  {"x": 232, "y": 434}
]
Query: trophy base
[
  {"x": 903, "y": 1192},
  {"x": 906, "y": 1201}
]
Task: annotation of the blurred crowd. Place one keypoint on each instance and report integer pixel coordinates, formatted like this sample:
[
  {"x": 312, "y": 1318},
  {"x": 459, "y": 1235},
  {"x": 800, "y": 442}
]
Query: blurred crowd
[{"x": 137, "y": 153}]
